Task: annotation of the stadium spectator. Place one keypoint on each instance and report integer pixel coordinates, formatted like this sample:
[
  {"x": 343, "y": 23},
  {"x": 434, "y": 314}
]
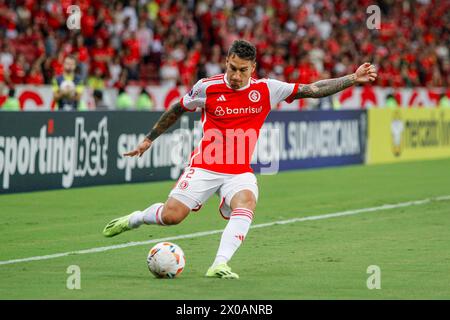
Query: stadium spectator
[
  {"x": 11, "y": 103},
  {"x": 88, "y": 23},
  {"x": 305, "y": 37},
  {"x": 67, "y": 87},
  {"x": 81, "y": 53},
  {"x": 17, "y": 70},
  {"x": 115, "y": 70},
  {"x": 124, "y": 100},
  {"x": 443, "y": 101},
  {"x": 169, "y": 72},
  {"x": 101, "y": 55},
  {"x": 391, "y": 102},
  {"x": 144, "y": 101},
  {"x": 96, "y": 81},
  {"x": 131, "y": 57},
  {"x": 35, "y": 75},
  {"x": 213, "y": 65},
  {"x": 144, "y": 36},
  {"x": 6, "y": 57},
  {"x": 98, "y": 100}
]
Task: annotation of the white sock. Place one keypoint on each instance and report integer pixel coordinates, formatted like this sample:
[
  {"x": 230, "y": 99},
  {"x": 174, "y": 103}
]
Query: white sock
[
  {"x": 151, "y": 215},
  {"x": 234, "y": 234}
]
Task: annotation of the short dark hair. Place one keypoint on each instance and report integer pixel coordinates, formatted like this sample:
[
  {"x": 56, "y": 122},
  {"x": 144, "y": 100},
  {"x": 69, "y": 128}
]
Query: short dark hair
[
  {"x": 98, "y": 94},
  {"x": 71, "y": 56},
  {"x": 243, "y": 49}
]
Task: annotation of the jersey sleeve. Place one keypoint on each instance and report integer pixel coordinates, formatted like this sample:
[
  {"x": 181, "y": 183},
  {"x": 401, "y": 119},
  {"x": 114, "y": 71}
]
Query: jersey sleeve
[
  {"x": 281, "y": 91},
  {"x": 195, "y": 98}
]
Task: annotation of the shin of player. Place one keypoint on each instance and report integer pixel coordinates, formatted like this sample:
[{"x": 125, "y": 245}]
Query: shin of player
[
  {"x": 170, "y": 213},
  {"x": 243, "y": 206}
]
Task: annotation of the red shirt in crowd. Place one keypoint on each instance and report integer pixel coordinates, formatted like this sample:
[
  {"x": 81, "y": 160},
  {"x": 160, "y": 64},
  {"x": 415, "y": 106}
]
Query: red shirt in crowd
[
  {"x": 35, "y": 78},
  {"x": 17, "y": 73}
]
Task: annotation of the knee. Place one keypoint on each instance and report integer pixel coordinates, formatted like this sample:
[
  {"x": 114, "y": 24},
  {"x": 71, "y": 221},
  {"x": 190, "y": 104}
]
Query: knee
[
  {"x": 248, "y": 204},
  {"x": 173, "y": 214},
  {"x": 244, "y": 199}
]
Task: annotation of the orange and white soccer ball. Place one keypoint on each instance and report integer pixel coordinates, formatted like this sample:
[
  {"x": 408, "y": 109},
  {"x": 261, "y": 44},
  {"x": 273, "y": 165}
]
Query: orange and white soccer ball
[{"x": 166, "y": 260}]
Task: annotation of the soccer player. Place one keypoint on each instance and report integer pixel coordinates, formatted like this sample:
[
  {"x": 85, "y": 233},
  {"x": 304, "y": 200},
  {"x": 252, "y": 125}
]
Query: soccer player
[{"x": 233, "y": 105}]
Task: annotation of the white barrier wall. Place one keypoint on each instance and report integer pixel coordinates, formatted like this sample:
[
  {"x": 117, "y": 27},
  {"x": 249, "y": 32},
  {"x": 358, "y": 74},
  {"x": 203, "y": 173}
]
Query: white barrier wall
[{"x": 41, "y": 97}]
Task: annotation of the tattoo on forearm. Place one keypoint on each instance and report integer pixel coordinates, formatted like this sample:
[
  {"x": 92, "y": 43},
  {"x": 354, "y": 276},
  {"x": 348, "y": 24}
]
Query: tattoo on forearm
[
  {"x": 326, "y": 87},
  {"x": 167, "y": 119}
]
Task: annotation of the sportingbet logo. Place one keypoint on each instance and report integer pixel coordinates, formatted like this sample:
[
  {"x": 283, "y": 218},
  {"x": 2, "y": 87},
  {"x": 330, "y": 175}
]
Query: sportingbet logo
[
  {"x": 83, "y": 154},
  {"x": 221, "y": 111}
]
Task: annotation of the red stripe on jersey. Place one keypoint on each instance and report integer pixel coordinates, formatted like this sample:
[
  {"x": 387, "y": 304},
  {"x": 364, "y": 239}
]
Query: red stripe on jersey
[
  {"x": 218, "y": 77},
  {"x": 291, "y": 96}
]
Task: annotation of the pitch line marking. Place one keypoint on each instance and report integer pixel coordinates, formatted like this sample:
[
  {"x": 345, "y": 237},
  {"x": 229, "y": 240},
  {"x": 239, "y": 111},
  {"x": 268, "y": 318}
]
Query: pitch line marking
[{"x": 207, "y": 233}]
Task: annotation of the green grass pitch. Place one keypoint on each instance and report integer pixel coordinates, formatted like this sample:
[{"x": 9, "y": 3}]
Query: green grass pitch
[{"x": 321, "y": 259}]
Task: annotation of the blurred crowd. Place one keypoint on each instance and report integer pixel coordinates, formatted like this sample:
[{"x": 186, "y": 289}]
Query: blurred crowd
[{"x": 176, "y": 42}]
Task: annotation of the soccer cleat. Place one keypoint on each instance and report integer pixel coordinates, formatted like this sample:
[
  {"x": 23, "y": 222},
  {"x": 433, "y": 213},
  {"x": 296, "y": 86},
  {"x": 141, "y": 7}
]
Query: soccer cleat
[
  {"x": 221, "y": 271},
  {"x": 117, "y": 226}
]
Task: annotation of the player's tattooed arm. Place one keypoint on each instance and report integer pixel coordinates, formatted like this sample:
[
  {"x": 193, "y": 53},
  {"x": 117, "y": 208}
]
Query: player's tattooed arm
[
  {"x": 326, "y": 87},
  {"x": 166, "y": 121},
  {"x": 364, "y": 74}
]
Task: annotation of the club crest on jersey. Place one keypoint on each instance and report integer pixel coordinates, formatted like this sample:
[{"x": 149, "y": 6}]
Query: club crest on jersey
[
  {"x": 254, "y": 96},
  {"x": 219, "y": 111},
  {"x": 193, "y": 93},
  {"x": 183, "y": 185}
]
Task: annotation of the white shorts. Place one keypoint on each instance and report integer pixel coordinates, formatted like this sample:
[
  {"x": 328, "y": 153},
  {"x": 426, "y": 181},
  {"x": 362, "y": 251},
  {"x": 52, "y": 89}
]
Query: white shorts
[{"x": 196, "y": 185}]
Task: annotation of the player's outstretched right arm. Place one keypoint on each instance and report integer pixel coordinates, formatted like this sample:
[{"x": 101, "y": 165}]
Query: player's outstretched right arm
[
  {"x": 167, "y": 119},
  {"x": 364, "y": 74}
]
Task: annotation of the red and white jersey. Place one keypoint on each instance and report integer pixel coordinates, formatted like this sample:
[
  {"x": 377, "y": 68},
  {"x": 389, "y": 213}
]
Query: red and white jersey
[{"x": 232, "y": 119}]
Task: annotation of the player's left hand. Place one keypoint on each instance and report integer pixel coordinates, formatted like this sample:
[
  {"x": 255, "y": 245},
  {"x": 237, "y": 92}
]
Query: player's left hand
[
  {"x": 366, "y": 73},
  {"x": 140, "y": 149}
]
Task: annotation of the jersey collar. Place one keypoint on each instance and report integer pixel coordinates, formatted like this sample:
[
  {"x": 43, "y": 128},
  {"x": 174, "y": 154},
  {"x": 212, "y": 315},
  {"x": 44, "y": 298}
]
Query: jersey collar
[{"x": 240, "y": 89}]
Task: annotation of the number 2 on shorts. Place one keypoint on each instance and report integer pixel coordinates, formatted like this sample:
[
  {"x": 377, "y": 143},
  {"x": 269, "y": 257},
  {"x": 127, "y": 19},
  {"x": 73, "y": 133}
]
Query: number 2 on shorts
[{"x": 190, "y": 173}]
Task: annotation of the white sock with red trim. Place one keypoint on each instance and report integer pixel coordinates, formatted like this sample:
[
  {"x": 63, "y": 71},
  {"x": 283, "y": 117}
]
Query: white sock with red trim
[
  {"x": 151, "y": 215},
  {"x": 234, "y": 234}
]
